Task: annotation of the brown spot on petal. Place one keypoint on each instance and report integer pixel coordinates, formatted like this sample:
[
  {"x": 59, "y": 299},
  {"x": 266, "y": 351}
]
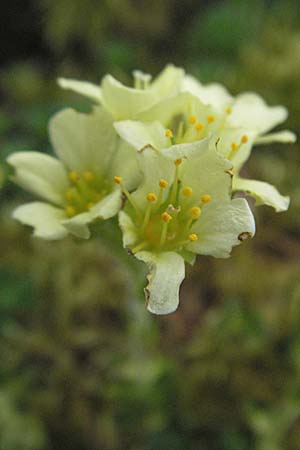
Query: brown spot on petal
[
  {"x": 230, "y": 172},
  {"x": 244, "y": 236}
]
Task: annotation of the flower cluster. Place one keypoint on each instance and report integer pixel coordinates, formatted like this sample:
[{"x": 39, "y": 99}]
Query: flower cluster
[{"x": 165, "y": 155}]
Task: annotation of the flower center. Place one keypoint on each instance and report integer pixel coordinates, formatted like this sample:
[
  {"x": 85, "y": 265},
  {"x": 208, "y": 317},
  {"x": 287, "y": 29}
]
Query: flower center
[
  {"x": 167, "y": 221},
  {"x": 189, "y": 129},
  {"x": 85, "y": 190}
]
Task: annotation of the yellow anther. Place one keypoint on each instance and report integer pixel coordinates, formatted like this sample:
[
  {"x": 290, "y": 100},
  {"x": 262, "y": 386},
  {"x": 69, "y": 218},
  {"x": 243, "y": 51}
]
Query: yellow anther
[
  {"x": 151, "y": 197},
  {"x": 90, "y": 205},
  {"x": 193, "y": 237},
  {"x": 199, "y": 126},
  {"x": 195, "y": 212},
  {"x": 178, "y": 162},
  {"x": 169, "y": 133},
  {"x": 163, "y": 183},
  {"x": 70, "y": 210},
  {"x": 73, "y": 176},
  {"x": 210, "y": 119},
  {"x": 234, "y": 146},
  {"x": 244, "y": 139},
  {"x": 228, "y": 110},
  {"x": 88, "y": 176},
  {"x": 192, "y": 120},
  {"x": 187, "y": 191},
  {"x": 166, "y": 217},
  {"x": 69, "y": 195},
  {"x": 118, "y": 180},
  {"x": 206, "y": 198}
]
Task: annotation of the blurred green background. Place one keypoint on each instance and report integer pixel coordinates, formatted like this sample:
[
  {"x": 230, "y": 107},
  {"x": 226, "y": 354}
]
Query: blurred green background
[{"x": 83, "y": 365}]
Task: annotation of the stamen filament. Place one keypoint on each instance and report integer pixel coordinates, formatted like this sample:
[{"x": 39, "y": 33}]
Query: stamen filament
[
  {"x": 139, "y": 246},
  {"x": 176, "y": 180}
]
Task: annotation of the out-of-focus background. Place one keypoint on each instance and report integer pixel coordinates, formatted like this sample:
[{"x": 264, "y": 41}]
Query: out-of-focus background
[{"x": 83, "y": 365}]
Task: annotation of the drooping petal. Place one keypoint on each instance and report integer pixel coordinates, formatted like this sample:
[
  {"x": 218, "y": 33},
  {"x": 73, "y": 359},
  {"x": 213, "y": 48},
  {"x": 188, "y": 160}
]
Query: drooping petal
[
  {"x": 83, "y": 141},
  {"x": 45, "y": 219},
  {"x": 105, "y": 209},
  {"x": 85, "y": 88},
  {"x": 212, "y": 94},
  {"x": 249, "y": 110},
  {"x": 40, "y": 174},
  {"x": 221, "y": 227},
  {"x": 140, "y": 134},
  {"x": 167, "y": 272},
  {"x": 264, "y": 193},
  {"x": 285, "y": 136}
]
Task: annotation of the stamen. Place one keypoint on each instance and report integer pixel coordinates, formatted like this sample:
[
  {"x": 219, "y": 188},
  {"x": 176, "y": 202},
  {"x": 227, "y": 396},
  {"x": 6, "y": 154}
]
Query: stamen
[
  {"x": 210, "y": 118},
  {"x": 70, "y": 210},
  {"x": 151, "y": 197},
  {"x": 163, "y": 183},
  {"x": 195, "y": 212},
  {"x": 73, "y": 176},
  {"x": 193, "y": 237},
  {"x": 118, "y": 180},
  {"x": 88, "y": 176},
  {"x": 187, "y": 191},
  {"x": 90, "y": 205},
  {"x": 192, "y": 119},
  {"x": 166, "y": 218},
  {"x": 234, "y": 146},
  {"x": 244, "y": 139},
  {"x": 69, "y": 195},
  {"x": 228, "y": 110},
  {"x": 139, "y": 247},
  {"x": 178, "y": 162},
  {"x": 199, "y": 126},
  {"x": 206, "y": 198},
  {"x": 169, "y": 133}
]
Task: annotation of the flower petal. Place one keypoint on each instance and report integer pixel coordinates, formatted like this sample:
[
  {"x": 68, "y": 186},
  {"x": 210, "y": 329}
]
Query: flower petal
[
  {"x": 40, "y": 174},
  {"x": 167, "y": 272},
  {"x": 105, "y": 209},
  {"x": 211, "y": 94},
  {"x": 46, "y": 219},
  {"x": 221, "y": 227},
  {"x": 285, "y": 136},
  {"x": 128, "y": 228},
  {"x": 249, "y": 110},
  {"x": 83, "y": 141},
  {"x": 139, "y": 134},
  {"x": 126, "y": 102},
  {"x": 85, "y": 88},
  {"x": 264, "y": 193},
  {"x": 233, "y": 136}
]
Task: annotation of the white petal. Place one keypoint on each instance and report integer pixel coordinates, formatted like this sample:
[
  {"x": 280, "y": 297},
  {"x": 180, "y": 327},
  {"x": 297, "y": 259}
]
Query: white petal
[
  {"x": 221, "y": 227},
  {"x": 226, "y": 137},
  {"x": 166, "y": 275},
  {"x": 211, "y": 94},
  {"x": 250, "y": 110},
  {"x": 83, "y": 141},
  {"x": 46, "y": 219},
  {"x": 124, "y": 102},
  {"x": 129, "y": 230},
  {"x": 285, "y": 136},
  {"x": 264, "y": 193},
  {"x": 40, "y": 174},
  {"x": 168, "y": 82},
  {"x": 139, "y": 134},
  {"x": 105, "y": 209},
  {"x": 82, "y": 87}
]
